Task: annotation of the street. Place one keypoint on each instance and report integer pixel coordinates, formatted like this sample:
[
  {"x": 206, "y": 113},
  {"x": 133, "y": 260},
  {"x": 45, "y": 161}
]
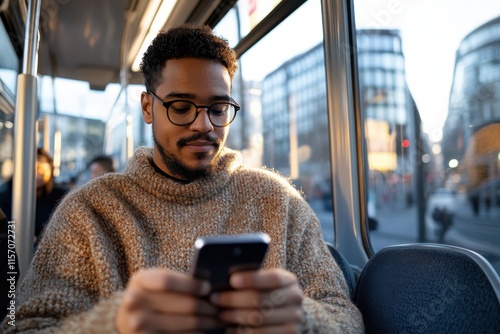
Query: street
[
  {"x": 480, "y": 234},
  {"x": 397, "y": 225}
]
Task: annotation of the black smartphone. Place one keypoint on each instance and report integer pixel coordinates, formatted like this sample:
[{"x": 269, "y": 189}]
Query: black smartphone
[{"x": 217, "y": 257}]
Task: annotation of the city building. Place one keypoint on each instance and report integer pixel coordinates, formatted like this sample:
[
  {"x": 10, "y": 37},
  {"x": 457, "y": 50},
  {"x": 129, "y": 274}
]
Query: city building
[
  {"x": 71, "y": 150},
  {"x": 470, "y": 132},
  {"x": 294, "y": 105}
]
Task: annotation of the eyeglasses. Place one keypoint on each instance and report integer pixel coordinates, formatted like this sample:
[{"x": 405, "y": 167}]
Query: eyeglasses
[{"x": 183, "y": 112}]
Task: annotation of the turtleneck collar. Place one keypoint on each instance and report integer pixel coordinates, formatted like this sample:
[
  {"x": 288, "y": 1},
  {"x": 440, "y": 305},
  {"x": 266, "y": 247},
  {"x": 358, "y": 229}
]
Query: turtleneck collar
[
  {"x": 140, "y": 169},
  {"x": 158, "y": 170}
]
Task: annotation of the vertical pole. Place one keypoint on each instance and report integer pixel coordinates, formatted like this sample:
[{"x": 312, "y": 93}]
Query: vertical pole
[
  {"x": 294, "y": 140},
  {"x": 124, "y": 80},
  {"x": 243, "y": 115},
  {"x": 46, "y": 133},
  {"x": 23, "y": 192},
  {"x": 419, "y": 178},
  {"x": 347, "y": 179}
]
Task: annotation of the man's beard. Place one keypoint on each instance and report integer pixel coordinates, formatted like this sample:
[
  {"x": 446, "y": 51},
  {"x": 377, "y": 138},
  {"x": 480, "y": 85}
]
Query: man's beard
[{"x": 178, "y": 168}]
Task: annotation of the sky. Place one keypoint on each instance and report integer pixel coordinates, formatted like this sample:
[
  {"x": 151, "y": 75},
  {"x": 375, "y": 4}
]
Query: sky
[
  {"x": 431, "y": 32},
  {"x": 304, "y": 28}
]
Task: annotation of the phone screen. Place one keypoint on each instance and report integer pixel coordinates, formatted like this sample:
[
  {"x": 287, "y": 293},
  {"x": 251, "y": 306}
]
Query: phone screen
[{"x": 217, "y": 257}]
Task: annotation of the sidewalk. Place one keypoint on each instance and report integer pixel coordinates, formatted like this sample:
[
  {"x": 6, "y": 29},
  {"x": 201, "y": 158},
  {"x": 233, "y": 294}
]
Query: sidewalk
[{"x": 480, "y": 233}]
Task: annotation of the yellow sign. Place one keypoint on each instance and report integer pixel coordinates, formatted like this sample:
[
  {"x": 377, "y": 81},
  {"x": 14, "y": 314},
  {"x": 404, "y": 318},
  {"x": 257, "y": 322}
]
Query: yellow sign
[{"x": 381, "y": 146}]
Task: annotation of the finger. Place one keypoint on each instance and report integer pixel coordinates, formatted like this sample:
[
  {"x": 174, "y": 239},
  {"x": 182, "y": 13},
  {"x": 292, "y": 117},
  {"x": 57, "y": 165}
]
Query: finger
[
  {"x": 288, "y": 295},
  {"x": 161, "y": 280},
  {"x": 174, "y": 303},
  {"x": 263, "y": 317},
  {"x": 262, "y": 279},
  {"x": 145, "y": 322},
  {"x": 284, "y": 329}
]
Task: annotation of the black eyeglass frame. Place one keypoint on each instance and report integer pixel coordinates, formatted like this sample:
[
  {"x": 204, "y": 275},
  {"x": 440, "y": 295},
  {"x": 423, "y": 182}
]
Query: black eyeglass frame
[{"x": 167, "y": 105}]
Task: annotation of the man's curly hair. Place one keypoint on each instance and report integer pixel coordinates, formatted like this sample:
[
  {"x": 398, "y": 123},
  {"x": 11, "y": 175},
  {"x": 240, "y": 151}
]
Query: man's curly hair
[{"x": 185, "y": 41}]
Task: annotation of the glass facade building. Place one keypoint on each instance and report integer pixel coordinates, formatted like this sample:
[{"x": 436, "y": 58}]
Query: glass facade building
[
  {"x": 295, "y": 118},
  {"x": 294, "y": 105},
  {"x": 389, "y": 115},
  {"x": 387, "y": 106},
  {"x": 382, "y": 76},
  {"x": 470, "y": 133}
]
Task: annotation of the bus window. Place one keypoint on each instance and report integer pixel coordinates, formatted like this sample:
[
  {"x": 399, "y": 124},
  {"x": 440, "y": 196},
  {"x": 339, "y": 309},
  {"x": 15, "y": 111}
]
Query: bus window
[
  {"x": 429, "y": 95},
  {"x": 282, "y": 90},
  {"x": 9, "y": 64}
]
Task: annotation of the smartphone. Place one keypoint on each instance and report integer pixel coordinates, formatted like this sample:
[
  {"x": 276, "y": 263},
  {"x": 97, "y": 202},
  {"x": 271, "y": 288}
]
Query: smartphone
[{"x": 217, "y": 257}]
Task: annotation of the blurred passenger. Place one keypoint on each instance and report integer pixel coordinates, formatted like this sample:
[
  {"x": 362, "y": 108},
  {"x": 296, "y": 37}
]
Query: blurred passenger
[
  {"x": 48, "y": 193},
  {"x": 100, "y": 165},
  {"x": 116, "y": 254}
]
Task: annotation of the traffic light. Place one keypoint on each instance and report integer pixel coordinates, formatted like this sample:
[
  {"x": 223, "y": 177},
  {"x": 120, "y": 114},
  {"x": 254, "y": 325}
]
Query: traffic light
[{"x": 405, "y": 146}]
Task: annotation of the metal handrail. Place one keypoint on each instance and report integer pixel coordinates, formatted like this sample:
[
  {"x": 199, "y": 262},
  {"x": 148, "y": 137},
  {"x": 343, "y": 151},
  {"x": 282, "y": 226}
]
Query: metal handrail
[{"x": 23, "y": 192}]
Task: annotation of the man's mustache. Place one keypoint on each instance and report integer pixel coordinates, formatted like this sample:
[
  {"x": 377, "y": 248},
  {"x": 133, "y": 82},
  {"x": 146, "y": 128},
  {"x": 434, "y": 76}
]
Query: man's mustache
[{"x": 200, "y": 136}]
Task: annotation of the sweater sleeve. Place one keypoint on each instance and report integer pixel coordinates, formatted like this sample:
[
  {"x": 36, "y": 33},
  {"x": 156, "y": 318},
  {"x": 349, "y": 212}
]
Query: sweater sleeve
[
  {"x": 327, "y": 307},
  {"x": 100, "y": 319},
  {"x": 63, "y": 291}
]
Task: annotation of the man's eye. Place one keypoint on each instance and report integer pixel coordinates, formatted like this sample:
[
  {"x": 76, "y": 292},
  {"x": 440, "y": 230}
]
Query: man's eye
[
  {"x": 218, "y": 110},
  {"x": 181, "y": 107}
]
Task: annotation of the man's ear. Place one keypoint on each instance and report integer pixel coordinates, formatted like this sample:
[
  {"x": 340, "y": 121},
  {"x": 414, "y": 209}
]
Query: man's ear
[{"x": 147, "y": 107}]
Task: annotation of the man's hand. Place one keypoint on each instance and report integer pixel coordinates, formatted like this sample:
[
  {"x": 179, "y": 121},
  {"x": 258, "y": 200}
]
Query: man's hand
[
  {"x": 161, "y": 300},
  {"x": 264, "y": 301}
]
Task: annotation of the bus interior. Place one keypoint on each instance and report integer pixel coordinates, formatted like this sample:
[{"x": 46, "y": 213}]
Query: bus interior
[{"x": 385, "y": 114}]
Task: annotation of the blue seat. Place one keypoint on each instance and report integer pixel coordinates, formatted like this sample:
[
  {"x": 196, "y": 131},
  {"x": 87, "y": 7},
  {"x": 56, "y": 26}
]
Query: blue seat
[
  {"x": 345, "y": 267},
  {"x": 428, "y": 288}
]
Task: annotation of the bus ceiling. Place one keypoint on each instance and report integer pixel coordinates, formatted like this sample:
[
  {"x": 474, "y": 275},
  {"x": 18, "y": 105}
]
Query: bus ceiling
[{"x": 89, "y": 40}]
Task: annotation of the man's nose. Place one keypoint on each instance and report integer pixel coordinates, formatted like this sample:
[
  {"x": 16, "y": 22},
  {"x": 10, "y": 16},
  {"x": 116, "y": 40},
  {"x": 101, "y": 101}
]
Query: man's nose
[{"x": 202, "y": 122}]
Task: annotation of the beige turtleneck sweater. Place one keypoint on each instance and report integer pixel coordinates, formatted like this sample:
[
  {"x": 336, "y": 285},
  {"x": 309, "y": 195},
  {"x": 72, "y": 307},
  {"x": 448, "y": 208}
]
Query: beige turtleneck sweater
[{"x": 120, "y": 223}]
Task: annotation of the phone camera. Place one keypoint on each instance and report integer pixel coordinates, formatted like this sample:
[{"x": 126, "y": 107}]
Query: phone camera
[{"x": 237, "y": 251}]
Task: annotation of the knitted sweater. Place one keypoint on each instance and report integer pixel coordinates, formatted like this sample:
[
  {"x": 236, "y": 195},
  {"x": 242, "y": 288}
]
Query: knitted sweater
[{"x": 120, "y": 223}]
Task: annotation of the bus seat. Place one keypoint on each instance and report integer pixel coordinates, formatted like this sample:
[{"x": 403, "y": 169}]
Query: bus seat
[
  {"x": 429, "y": 288},
  {"x": 345, "y": 267}
]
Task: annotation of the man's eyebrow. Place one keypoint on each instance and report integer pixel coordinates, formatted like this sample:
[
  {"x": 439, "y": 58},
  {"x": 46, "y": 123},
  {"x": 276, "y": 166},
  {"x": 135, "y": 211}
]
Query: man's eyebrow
[
  {"x": 189, "y": 96},
  {"x": 180, "y": 95}
]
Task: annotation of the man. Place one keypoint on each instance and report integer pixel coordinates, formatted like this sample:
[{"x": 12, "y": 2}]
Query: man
[{"x": 116, "y": 255}]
